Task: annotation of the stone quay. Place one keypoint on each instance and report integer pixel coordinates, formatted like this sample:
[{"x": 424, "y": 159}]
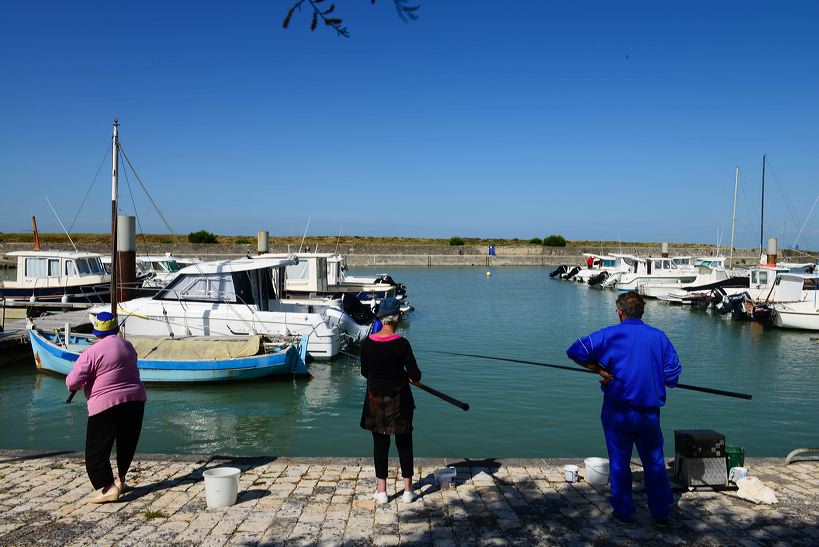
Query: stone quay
[{"x": 326, "y": 501}]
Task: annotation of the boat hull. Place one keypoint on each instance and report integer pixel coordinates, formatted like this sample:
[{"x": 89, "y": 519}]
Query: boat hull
[
  {"x": 48, "y": 356},
  {"x": 97, "y": 292}
]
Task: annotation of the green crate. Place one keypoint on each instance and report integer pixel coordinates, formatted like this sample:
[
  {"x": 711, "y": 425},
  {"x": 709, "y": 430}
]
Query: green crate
[{"x": 735, "y": 456}]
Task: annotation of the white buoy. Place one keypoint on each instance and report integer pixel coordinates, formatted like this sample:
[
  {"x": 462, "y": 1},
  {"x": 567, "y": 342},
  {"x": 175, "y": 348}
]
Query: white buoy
[{"x": 488, "y": 274}]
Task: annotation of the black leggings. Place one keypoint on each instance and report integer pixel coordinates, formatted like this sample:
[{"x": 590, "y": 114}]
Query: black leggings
[
  {"x": 121, "y": 423},
  {"x": 381, "y": 451}
]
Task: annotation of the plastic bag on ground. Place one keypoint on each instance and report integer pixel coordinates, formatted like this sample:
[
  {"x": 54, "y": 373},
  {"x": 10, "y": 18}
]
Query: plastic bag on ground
[{"x": 753, "y": 489}]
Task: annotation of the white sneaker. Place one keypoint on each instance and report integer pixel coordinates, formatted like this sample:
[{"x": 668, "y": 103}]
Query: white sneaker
[
  {"x": 409, "y": 497},
  {"x": 380, "y": 498}
]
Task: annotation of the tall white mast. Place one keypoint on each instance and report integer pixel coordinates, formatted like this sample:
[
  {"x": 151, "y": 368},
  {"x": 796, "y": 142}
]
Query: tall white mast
[
  {"x": 734, "y": 218},
  {"x": 114, "y": 189}
]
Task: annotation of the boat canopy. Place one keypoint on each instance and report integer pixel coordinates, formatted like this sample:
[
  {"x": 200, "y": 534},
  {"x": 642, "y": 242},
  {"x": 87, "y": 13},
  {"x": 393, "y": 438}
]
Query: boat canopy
[
  {"x": 792, "y": 286},
  {"x": 237, "y": 265}
]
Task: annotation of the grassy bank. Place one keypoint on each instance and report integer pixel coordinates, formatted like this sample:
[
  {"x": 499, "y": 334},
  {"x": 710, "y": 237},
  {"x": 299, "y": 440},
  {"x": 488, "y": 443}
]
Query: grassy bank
[{"x": 324, "y": 242}]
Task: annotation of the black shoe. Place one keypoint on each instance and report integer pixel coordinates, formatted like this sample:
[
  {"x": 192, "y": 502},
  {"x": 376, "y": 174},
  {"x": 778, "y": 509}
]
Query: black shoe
[
  {"x": 661, "y": 521},
  {"x": 621, "y": 518}
]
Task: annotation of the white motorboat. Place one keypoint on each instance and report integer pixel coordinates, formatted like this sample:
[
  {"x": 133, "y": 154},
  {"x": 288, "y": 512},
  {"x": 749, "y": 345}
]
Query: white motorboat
[
  {"x": 322, "y": 275},
  {"x": 599, "y": 264},
  {"x": 802, "y": 311},
  {"x": 237, "y": 297},
  {"x": 57, "y": 276},
  {"x": 650, "y": 271},
  {"x": 711, "y": 273}
]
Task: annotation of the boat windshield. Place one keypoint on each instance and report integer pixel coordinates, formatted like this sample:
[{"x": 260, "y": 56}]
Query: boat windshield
[
  {"x": 172, "y": 265},
  {"x": 200, "y": 288}
]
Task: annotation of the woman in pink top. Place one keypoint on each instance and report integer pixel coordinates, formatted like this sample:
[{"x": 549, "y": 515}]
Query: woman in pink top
[{"x": 108, "y": 373}]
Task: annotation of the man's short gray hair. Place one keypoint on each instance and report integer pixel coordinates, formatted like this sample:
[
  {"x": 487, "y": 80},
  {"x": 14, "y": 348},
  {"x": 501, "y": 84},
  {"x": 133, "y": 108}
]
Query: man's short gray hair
[{"x": 390, "y": 319}]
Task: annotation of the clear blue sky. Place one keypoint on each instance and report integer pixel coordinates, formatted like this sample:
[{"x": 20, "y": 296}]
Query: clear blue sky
[{"x": 595, "y": 120}]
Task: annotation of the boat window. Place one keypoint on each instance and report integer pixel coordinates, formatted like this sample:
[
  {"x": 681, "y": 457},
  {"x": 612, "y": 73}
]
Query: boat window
[
  {"x": 763, "y": 278},
  {"x": 608, "y": 263},
  {"x": 202, "y": 288},
  {"x": 299, "y": 271},
  {"x": 95, "y": 265},
  {"x": 171, "y": 265},
  {"x": 83, "y": 267},
  {"x": 70, "y": 267},
  {"x": 811, "y": 284},
  {"x": 36, "y": 267},
  {"x": 158, "y": 267},
  {"x": 53, "y": 267}
]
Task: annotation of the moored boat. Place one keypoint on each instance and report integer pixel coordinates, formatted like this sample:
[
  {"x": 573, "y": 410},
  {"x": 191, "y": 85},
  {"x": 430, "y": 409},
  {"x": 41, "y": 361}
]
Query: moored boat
[{"x": 166, "y": 360}]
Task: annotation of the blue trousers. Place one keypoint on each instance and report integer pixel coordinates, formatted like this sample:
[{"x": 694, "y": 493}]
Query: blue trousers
[{"x": 624, "y": 428}]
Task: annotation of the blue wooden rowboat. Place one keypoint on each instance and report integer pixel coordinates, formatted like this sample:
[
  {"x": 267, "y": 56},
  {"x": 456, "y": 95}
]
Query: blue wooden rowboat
[{"x": 52, "y": 353}]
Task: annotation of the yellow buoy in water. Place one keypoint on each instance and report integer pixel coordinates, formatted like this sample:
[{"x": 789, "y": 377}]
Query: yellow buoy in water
[{"x": 488, "y": 274}]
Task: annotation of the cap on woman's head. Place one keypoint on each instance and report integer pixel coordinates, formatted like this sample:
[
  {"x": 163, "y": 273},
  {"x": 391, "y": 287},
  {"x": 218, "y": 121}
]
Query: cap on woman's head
[
  {"x": 389, "y": 306},
  {"x": 104, "y": 324}
]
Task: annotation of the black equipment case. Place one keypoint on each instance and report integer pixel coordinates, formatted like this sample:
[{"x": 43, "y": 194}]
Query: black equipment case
[{"x": 699, "y": 457}]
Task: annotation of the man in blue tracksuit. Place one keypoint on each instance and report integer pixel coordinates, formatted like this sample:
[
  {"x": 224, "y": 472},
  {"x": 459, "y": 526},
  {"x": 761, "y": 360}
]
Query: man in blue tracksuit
[{"x": 636, "y": 363}]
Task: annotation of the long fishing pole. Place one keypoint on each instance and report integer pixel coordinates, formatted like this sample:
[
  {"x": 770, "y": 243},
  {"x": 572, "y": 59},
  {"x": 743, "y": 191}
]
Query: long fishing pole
[
  {"x": 443, "y": 396},
  {"x": 580, "y": 369}
]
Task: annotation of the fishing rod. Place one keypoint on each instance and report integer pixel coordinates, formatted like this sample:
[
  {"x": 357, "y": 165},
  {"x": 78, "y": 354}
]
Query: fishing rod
[
  {"x": 443, "y": 396},
  {"x": 578, "y": 369}
]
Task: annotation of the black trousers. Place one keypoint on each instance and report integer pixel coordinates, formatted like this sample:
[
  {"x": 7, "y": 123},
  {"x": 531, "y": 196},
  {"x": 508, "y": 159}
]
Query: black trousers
[
  {"x": 381, "y": 451},
  {"x": 121, "y": 423}
]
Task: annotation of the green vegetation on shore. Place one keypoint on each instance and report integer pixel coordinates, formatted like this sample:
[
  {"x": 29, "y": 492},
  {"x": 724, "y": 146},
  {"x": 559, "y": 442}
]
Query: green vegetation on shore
[{"x": 325, "y": 242}]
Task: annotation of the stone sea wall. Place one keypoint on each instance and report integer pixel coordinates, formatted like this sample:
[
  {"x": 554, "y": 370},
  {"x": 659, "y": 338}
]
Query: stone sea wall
[{"x": 414, "y": 255}]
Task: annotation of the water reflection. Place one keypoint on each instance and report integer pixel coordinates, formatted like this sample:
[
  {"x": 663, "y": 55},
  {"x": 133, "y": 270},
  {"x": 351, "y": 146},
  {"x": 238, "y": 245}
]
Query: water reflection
[{"x": 517, "y": 410}]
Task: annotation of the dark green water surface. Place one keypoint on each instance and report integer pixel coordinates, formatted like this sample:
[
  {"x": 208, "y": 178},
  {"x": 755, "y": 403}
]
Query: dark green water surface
[{"x": 517, "y": 410}]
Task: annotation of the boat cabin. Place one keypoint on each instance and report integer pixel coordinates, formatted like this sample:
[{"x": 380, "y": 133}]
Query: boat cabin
[
  {"x": 251, "y": 282},
  {"x": 56, "y": 269},
  {"x": 795, "y": 287}
]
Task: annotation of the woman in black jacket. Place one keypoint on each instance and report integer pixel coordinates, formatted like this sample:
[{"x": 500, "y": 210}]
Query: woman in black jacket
[{"x": 389, "y": 366}]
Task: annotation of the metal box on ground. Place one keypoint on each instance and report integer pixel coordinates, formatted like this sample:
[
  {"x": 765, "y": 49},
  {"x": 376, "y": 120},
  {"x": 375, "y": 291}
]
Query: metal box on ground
[{"x": 699, "y": 457}]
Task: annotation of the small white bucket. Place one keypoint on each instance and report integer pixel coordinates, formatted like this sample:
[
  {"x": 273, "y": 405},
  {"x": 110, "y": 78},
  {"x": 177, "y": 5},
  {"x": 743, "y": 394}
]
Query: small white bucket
[
  {"x": 444, "y": 477},
  {"x": 221, "y": 486},
  {"x": 597, "y": 470},
  {"x": 571, "y": 473}
]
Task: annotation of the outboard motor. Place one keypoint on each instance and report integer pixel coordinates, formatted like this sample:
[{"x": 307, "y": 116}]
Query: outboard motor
[
  {"x": 360, "y": 312},
  {"x": 598, "y": 278},
  {"x": 571, "y": 273},
  {"x": 735, "y": 305},
  {"x": 763, "y": 313},
  {"x": 560, "y": 270}
]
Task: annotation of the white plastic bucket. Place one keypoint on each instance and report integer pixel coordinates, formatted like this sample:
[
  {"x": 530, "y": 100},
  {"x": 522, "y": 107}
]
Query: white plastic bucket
[
  {"x": 597, "y": 470},
  {"x": 221, "y": 486},
  {"x": 571, "y": 473},
  {"x": 444, "y": 477}
]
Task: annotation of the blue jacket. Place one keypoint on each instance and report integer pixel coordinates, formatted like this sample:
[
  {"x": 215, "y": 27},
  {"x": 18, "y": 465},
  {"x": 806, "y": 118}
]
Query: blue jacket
[{"x": 641, "y": 358}]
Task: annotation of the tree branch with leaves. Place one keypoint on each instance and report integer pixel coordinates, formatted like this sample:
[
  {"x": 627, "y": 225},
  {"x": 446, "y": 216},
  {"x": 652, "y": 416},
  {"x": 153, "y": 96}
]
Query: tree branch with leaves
[{"x": 406, "y": 11}]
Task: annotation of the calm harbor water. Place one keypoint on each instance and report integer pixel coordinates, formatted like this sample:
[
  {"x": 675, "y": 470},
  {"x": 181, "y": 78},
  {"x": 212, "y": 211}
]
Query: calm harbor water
[{"x": 517, "y": 410}]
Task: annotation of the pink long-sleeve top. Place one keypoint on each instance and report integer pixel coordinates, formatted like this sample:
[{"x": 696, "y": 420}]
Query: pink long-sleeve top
[{"x": 108, "y": 373}]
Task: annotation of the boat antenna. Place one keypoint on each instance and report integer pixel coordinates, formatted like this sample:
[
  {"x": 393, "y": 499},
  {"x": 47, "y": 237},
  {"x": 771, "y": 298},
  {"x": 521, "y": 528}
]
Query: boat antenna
[
  {"x": 36, "y": 239},
  {"x": 734, "y": 218},
  {"x": 305, "y": 232},
  {"x": 338, "y": 239},
  {"x": 762, "y": 211}
]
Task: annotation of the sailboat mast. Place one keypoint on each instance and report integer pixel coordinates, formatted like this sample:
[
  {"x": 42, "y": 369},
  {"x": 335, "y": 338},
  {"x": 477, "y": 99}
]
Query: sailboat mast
[
  {"x": 114, "y": 189},
  {"x": 762, "y": 212},
  {"x": 734, "y": 218}
]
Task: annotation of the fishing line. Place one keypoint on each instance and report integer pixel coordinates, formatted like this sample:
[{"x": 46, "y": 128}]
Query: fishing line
[{"x": 582, "y": 369}]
